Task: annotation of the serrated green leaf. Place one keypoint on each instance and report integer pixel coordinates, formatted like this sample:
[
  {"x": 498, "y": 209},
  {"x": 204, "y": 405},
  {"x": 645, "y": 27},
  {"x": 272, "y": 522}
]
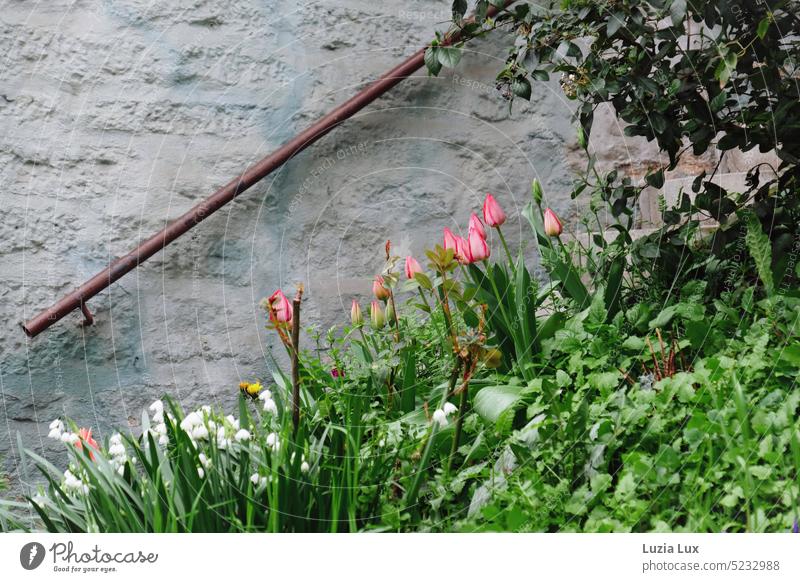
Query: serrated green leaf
[
  {"x": 448, "y": 56},
  {"x": 432, "y": 60},
  {"x": 760, "y": 248}
]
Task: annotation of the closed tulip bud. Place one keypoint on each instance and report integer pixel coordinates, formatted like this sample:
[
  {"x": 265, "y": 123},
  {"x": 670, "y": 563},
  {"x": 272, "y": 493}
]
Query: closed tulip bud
[
  {"x": 552, "y": 225},
  {"x": 476, "y": 224},
  {"x": 462, "y": 250},
  {"x": 280, "y": 306},
  {"x": 391, "y": 316},
  {"x": 379, "y": 290},
  {"x": 376, "y": 316},
  {"x": 356, "y": 317},
  {"x": 477, "y": 249},
  {"x": 536, "y": 191},
  {"x": 492, "y": 213},
  {"x": 412, "y": 267}
]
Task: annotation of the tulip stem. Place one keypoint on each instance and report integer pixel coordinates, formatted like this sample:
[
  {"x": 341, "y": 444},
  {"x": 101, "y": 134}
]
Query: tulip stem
[
  {"x": 430, "y": 310},
  {"x": 296, "y": 358},
  {"x": 413, "y": 491},
  {"x": 425, "y": 300},
  {"x": 445, "y": 302},
  {"x": 462, "y": 411},
  {"x": 497, "y": 296},
  {"x": 395, "y": 316},
  {"x": 508, "y": 252}
]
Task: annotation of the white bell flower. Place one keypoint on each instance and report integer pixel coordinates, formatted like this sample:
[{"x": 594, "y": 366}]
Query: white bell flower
[
  {"x": 439, "y": 417},
  {"x": 258, "y": 481},
  {"x": 273, "y": 442},
  {"x": 242, "y": 435},
  {"x": 222, "y": 442},
  {"x": 70, "y": 437},
  {"x": 200, "y": 432},
  {"x": 157, "y": 407},
  {"x": 204, "y": 461},
  {"x": 449, "y": 408},
  {"x": 192, "y": 420},
  {"x": 271, "y": 407}
]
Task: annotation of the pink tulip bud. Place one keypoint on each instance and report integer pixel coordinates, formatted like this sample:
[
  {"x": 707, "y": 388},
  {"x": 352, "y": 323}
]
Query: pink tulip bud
[
  {"x": 462, "y": 250},
  {"x": 450, "y": 240},
  {"x": 379, "y": 290},
  {"x": 477, "y": 249},
  {"x": 280, "y": 306},
  {"x": 456, "y": 244},
  {"x": 492, "y": 213},
  {"x": 356, "y": 317},
  {"x": 476, "y": 224},
  {"x": 552, "y": 225},
  {"x": 412, "y": 267}
]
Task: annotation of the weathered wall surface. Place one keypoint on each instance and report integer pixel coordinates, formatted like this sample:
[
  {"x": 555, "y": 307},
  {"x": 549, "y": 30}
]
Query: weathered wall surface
[{"x": 117, "y": 116}]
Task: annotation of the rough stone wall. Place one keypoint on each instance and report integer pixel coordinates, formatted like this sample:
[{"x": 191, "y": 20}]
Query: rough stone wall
[{"x": 117, "y": 116}]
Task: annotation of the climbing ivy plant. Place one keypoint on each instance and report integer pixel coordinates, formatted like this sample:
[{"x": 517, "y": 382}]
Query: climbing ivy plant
[{"x": 688, "y": 74}]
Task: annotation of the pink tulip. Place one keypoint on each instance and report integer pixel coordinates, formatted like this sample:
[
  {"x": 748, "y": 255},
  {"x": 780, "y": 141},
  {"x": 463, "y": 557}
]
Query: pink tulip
[
  {"x": 85, "y": 435},
  {"x": 450, "y": 240},
  {"x": 280, "y": 306},
  {"x": 476, "y": 224},
  {"x": 477, "y": 249},
  {"x": 552, "y": 225},
  {"x": 462, "y": 250},
  {"x": 412, "y": 267},
  {"x": 379, "y": 290},
  {"x": 492, "y": 213},
  {"x": 457, "y": 244}
]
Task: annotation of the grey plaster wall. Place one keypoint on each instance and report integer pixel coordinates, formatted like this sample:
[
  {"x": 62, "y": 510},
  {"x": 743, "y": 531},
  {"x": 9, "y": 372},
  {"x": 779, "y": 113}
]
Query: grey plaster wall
[{"x": 118, "y": 115}]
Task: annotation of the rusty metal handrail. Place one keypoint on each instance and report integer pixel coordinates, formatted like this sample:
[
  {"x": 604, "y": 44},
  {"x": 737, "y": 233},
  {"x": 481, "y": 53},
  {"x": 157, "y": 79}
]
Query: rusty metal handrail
[{"x": 118, "y": 268}]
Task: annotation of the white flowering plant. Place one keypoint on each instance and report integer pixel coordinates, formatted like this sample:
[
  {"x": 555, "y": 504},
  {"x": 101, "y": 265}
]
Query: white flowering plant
[{"x": 204, "y": 471}]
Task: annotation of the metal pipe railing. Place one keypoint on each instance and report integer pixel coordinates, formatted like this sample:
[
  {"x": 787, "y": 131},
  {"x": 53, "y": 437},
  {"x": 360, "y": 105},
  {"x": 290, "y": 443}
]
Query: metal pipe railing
[{"x": 120, "y": 267}]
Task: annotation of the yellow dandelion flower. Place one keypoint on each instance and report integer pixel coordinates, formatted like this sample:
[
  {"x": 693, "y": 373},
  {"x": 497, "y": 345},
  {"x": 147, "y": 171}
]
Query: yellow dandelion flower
[{"x": 250, "y": 389}]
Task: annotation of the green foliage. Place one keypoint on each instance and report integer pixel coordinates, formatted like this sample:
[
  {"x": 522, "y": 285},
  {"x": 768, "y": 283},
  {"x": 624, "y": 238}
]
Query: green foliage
[
  {"x": 707, "y": 449},
  {"x": 690, "y": 76},
  {"x": 761, "y": 250}
]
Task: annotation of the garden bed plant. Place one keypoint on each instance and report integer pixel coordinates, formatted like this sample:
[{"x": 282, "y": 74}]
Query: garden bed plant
[{"x": 641, "y": 385}]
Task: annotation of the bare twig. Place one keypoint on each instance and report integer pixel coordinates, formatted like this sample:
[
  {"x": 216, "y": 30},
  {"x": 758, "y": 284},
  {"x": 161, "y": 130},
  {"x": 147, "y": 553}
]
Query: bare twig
[{"x": 296, "y": 356}]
